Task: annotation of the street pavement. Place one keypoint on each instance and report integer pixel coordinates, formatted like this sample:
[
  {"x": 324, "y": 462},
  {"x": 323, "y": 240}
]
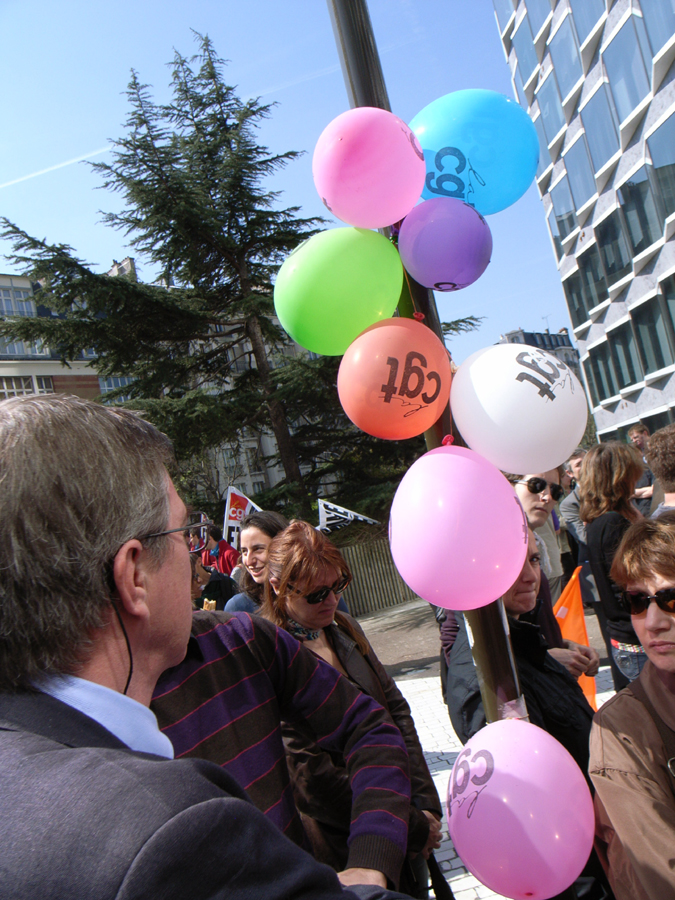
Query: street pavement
[{"x": 405, "y": 638}]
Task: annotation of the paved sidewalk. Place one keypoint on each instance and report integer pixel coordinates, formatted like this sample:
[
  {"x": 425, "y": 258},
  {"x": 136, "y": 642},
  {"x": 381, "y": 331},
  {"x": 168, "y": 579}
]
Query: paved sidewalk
[{"x": 406, "y": 640}]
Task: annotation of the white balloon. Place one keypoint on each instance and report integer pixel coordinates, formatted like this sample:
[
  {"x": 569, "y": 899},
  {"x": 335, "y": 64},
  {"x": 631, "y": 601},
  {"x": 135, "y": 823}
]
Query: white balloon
[{"x": 522, "y": 409}]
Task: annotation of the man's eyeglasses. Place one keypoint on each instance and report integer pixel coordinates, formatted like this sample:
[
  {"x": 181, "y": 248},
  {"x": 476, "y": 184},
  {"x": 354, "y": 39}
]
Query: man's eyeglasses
[
  {"x": 196, "y": 532},
  {"x": 539, "y": 485},
  {"x": 638, "y": 602},
  {"x": 319, "y": 595}
]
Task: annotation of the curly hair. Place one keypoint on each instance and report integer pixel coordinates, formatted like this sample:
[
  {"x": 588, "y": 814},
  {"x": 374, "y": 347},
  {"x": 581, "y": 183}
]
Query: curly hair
[
  {"x": 609, "y": 474},
  {"x": 660, "y": 455},
  {"x": 296, "y": 558},
  {"x": 646, "y": 549}
]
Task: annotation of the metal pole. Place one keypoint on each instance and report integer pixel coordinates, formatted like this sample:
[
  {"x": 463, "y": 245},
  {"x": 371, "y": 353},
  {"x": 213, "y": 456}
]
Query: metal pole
[{"x": 365, "y": 85}]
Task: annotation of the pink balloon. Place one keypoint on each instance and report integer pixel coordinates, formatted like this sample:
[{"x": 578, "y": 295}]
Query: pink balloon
[
  {"x": 520, "y": 811},
  {"x": 368, "y": 168},
  {"x": 457, "y": 531}
]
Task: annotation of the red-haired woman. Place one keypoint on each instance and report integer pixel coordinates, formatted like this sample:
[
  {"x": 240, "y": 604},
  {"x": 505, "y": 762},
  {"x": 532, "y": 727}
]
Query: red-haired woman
[{"x": 307, "y": 574}]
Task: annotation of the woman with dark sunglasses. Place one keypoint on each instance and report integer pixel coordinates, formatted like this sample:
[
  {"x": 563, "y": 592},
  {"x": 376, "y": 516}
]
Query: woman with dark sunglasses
[
  {"x": 307, "y": 575},
  {"x": 633, "y": 736},
  {"x": 609, "y": 474}
]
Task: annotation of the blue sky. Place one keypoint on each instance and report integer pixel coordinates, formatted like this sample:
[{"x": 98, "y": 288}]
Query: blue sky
[{"x": 65, "y": 67}]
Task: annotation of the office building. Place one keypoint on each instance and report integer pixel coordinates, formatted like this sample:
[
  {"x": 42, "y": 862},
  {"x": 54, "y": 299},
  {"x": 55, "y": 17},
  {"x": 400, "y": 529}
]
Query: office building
[{"x": 597, "y": 79}]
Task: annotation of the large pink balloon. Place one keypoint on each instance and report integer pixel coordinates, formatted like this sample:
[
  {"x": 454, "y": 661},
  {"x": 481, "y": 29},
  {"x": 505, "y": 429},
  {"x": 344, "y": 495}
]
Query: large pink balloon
[
  {"x": 458, "y": 533},
  {"x": 520, "y": 811},
  {"x": 368, "y": 168}
]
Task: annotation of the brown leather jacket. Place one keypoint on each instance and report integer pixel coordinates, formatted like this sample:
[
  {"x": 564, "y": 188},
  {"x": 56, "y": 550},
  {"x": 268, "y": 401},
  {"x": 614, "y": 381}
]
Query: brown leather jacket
[
  {"x": 320, "y": 781},
  {"x": 634, "y": 800}
]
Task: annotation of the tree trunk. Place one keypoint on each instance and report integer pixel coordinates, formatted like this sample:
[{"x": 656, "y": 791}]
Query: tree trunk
[{"x": 284, "y": 439}]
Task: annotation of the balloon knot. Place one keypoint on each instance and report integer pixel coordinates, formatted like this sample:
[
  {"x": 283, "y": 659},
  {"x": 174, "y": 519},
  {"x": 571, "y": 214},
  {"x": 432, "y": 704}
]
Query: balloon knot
[
  {"x": 419, "y": 316},
  {"x": 447, "y": 440}
]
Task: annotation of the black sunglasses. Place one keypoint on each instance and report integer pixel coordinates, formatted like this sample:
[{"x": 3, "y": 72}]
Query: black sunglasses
[
  {"x": 638, "y": 602},
  {"x": 539, "y": 485},
  {"x": 319, "y": 595}
]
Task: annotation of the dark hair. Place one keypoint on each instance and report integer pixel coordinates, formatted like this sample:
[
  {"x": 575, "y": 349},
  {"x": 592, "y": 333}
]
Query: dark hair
[
  {"x": 296, "y": 557},
  {"x": 216, "y": 533},
  {"x": 270, "y": 523},
  {"x": 646, "y": 549},
  {"x": 77, "y": 480},
  {"x": 660, "y": 455},
  {"x": 609, "y": 474},
  {"x": 639, "y": 428}
]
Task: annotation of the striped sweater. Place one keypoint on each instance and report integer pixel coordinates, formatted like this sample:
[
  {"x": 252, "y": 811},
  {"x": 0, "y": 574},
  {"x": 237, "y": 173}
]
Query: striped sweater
[{"x": 225, "y": 702}]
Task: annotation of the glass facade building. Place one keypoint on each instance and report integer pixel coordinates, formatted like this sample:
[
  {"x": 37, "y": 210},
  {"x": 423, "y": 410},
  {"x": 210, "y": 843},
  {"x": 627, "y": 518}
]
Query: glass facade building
[{"x": 597, "y": 77}]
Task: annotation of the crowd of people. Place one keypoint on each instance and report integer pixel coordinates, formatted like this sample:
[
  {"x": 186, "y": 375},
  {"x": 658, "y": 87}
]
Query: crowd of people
[{"x": 180, "y": 717}]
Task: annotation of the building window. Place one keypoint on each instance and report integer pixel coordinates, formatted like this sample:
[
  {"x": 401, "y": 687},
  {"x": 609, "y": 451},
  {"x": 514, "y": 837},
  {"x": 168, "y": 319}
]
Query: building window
[
  {"x": 544, "y": 155},
  {"x": 44, "y": 384},
  {"x": 563, "y": 206},
  {"x": 616, "y": 258},
  {"x": 603, "y": 372},
  {"x": 555, "y": 233},
  {"x": 257, "y": 487},
  {"x": 662, "y": 151},
  {"x": 586, "y": 14},
  {"x": 626, "y": 69},
  {"x": 520, "y": 91},
  {"x": 659, "y": 16},
  {"x": 565, "y": 56},
  {"x": 551, "y": 107},
  {"x": 593, "y": 388},
  {"x": 525, "y": 52},
  {"x": 538, "y": 11},
  {"x": 625, "y": 357},
  {"x": 580, "y": 173},
  {"x": 575, "y": 299},
  {"x": 504, "y": 10},
  {"x": 112, "y": 383},
  {"x": 15, "y": 386},
  {"x": 639, "y": 208},
  {"x": 593, "y": 282},
  {"x": 15, "y": 302},
  {"x": 601, "y": 126},
  {"x": 652, "y": 336}
]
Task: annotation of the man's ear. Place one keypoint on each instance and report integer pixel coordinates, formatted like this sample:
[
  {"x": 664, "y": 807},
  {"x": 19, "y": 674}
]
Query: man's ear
[
  {"x": 275, "y": 583},
  {"x": 130, "y": 569}
]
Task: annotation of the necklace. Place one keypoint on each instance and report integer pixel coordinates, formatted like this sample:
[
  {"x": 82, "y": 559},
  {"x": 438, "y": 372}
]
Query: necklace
[{"x": 301, "y": 633}]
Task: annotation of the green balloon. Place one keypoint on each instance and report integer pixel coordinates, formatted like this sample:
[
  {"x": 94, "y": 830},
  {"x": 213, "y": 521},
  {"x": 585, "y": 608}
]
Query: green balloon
[{"x": 335, "y": 285}]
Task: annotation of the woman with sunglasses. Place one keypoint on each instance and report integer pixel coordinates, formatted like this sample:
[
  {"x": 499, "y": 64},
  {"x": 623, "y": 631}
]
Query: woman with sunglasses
[
  {"x": 307, "y": 575},
  {"x": 609, "y": 474},
  {"x": 633, "y": 736}
]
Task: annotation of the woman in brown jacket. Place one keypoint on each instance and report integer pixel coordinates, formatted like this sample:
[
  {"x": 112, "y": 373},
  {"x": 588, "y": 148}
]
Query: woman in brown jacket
[{"x": 307, "y": 575}]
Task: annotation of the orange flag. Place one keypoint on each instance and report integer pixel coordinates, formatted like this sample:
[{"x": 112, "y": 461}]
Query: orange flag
[{"x": 569, "y": 611}]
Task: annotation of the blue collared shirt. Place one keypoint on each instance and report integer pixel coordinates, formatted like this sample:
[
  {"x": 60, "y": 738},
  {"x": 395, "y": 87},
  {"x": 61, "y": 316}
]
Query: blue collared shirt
[{"x": 134, "y": 724}]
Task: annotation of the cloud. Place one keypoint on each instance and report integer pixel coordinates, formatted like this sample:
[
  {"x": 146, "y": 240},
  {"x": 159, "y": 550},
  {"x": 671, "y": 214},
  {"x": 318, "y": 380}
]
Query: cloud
[{"x": 62, "y": 165}]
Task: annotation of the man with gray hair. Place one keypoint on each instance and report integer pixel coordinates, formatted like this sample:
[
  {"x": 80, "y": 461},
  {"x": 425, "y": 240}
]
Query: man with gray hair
[{"x": 94, "y": 606}]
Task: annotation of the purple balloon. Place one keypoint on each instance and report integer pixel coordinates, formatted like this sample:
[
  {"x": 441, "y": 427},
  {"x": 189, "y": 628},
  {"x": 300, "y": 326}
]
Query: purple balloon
[{"x": 445, "y": 244}]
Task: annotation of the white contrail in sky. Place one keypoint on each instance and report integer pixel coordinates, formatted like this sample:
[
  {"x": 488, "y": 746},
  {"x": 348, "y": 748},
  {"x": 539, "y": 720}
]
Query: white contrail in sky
[{"x": 58, "y": 166}]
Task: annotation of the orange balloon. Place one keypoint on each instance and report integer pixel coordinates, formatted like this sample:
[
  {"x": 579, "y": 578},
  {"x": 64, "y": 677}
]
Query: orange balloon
[{"x": 394, "y": 379}]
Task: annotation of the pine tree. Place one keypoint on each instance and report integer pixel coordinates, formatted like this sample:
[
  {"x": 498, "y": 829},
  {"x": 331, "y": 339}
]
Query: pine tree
[{"x": 192, "y": 175}]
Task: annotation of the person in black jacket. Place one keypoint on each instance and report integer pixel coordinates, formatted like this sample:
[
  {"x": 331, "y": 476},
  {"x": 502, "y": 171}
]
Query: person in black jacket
[
  {"x": 608, "y": 477},
  {"x": 555, "y": 702}
]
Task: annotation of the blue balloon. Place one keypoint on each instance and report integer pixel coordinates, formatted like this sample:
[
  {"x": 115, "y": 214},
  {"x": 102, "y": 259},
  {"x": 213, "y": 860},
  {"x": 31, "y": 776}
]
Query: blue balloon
[{"x": 479, "y": 147}]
